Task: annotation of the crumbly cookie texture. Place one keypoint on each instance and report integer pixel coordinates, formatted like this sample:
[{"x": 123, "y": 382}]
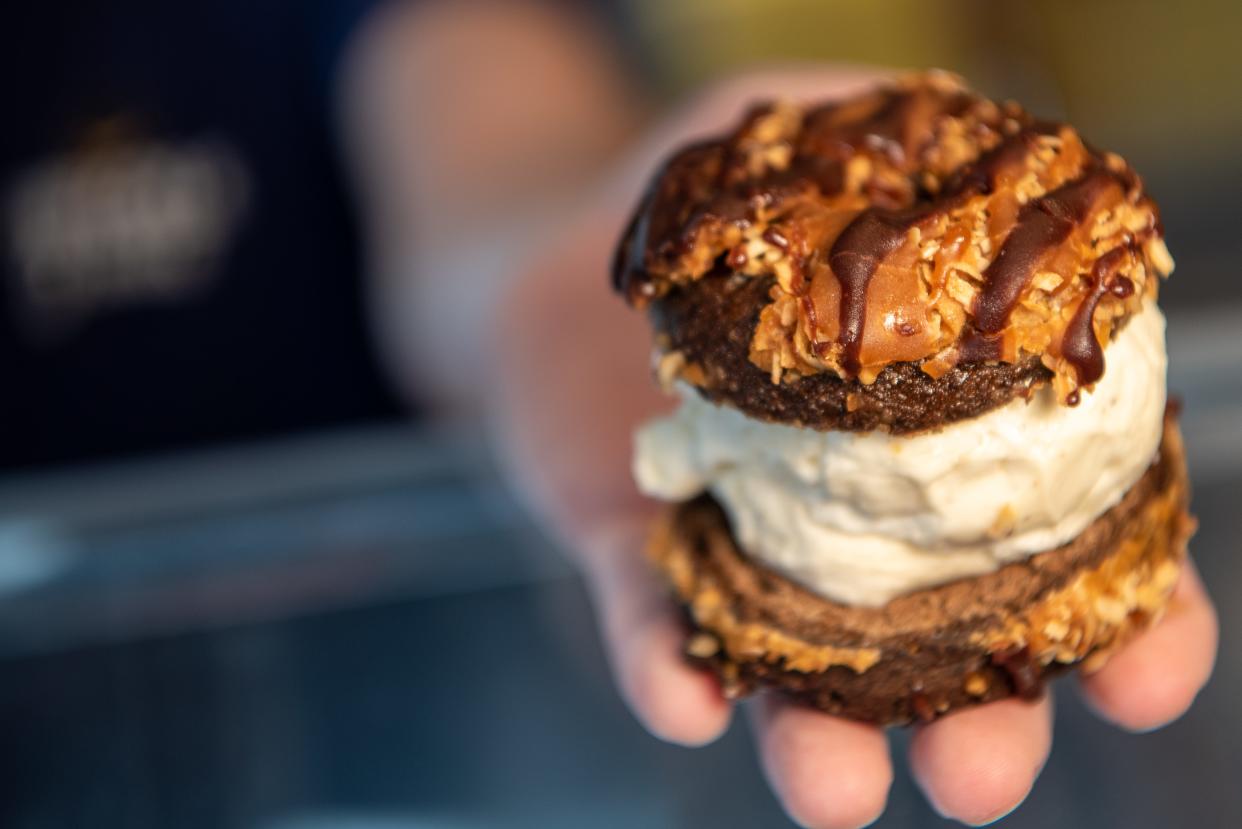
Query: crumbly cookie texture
[
  {"x": 936, "y": 650},
  {"x": 918, "y": 223},
  {"x": 703, "y": 334}
]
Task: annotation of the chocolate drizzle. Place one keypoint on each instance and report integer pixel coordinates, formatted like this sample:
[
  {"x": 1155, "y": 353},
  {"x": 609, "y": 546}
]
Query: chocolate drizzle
[
  {"x": 1042, "y": 225},
  {"x": 1023, "y": 672},
  {"x": 899, "y": 123},
  {"x": 854, "y": 258},
  {"x": 841, "y": 193},
  {"x": 976, "y": 348},
  {"x": 710, "y": 182},
  {"x": 1079, "y": 344},
  {"x": 984, "y": 175},
  {"x": 921, "y": 704}
]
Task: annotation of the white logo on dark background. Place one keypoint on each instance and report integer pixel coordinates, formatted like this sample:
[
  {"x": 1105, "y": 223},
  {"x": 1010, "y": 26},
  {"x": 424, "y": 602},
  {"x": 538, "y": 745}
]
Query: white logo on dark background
[{"x": 120, "y": 225}]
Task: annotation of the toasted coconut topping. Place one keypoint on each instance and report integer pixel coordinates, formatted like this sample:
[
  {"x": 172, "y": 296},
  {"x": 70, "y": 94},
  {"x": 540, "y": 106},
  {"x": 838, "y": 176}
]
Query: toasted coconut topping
[{"x": 917, "y": 223}]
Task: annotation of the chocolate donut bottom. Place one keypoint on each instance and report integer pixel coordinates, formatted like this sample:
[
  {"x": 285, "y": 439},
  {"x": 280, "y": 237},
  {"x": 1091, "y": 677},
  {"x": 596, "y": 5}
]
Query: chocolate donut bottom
[{"x": 709, "y": 326}]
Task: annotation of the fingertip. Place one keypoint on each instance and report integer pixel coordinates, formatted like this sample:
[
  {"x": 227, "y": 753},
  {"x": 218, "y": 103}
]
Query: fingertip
[
  {"x": 1155, "y": 678},
  {"x": 1138, "y": 698},
  {"x": 827, "y": 772},
  {"x": 978, "y": 765},
  {"x": 676, "y": 702},
  {"x": 644, "y": 637}
]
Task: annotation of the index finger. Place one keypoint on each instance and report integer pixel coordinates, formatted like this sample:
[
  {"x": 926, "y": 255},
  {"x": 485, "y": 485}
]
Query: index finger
[{"x": 1154, "y": 679}]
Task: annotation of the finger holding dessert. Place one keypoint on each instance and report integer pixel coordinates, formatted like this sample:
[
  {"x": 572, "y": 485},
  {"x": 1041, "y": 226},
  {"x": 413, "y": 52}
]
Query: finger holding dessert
[
  {"x": 645, "y": 636},
  {"x": 979, "y": 764},
  {"x": 1153, "y": 680},
  {"x": 827, "y": 771}
]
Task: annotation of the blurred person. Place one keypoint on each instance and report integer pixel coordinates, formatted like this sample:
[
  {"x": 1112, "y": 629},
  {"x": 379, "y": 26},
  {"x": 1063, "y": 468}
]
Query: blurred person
[
  {"x": 229, "y": 306},
  {"x": 512, "y": 317}
]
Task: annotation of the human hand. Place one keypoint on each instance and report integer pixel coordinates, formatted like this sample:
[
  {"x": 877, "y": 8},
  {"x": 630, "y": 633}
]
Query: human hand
[{"x": 574, "y": 380}]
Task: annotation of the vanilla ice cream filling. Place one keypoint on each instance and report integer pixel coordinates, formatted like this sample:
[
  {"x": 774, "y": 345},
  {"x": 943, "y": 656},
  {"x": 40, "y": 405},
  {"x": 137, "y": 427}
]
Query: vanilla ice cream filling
[{"x": 863, "y": 517}]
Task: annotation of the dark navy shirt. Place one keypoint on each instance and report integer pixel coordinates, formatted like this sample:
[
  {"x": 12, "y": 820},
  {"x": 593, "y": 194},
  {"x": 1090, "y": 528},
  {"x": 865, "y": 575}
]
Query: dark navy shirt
[{"x": 180, "y": 263}]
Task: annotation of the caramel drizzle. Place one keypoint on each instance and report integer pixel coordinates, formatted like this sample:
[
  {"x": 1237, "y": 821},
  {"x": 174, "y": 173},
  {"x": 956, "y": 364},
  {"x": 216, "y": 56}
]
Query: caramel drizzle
[
  {"x": 862, "y": 247},
  {"x": 1042, "y": 226},
  {"x": 897, "y": 126}
]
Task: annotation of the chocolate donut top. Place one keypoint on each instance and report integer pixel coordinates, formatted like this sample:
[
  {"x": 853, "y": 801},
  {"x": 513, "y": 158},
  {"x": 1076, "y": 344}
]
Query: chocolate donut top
[{"x": 918, "y": 223}]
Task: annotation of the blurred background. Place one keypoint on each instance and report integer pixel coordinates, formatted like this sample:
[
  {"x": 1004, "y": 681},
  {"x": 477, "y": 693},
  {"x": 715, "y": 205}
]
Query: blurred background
[{"x": 257, "y": 567}]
